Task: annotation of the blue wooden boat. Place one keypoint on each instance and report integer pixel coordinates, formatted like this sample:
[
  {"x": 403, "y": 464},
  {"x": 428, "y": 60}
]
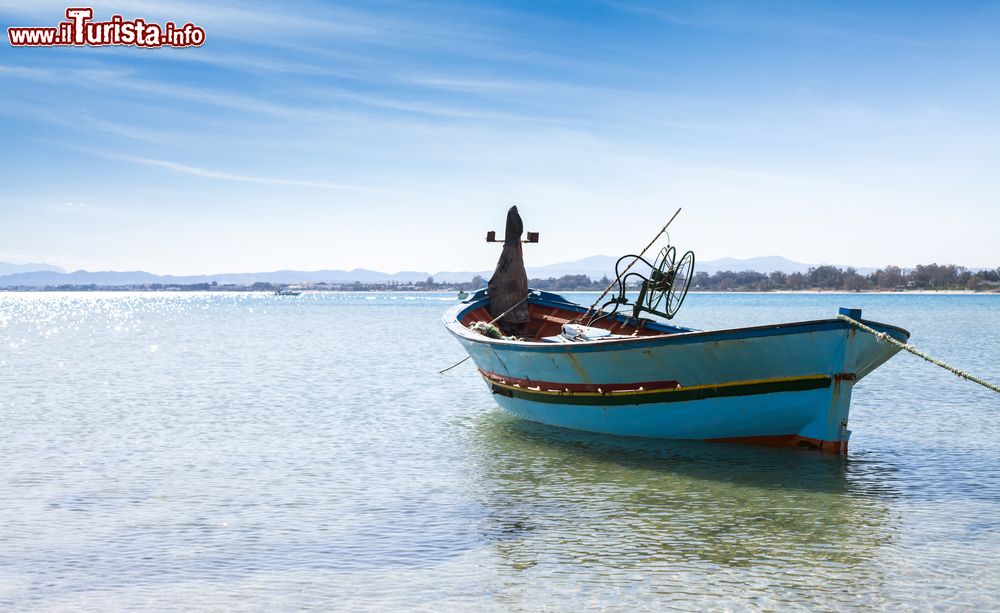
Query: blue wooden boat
[{"x": 786, "y": 384}]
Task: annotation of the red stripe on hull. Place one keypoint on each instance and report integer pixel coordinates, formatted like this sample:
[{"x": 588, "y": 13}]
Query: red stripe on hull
[
  {"x": 787, "y": 440},
  {"x": 580, "y": 387}
]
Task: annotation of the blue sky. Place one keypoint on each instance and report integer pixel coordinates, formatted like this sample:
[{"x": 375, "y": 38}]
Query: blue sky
[{"x": 392, "y": 135}]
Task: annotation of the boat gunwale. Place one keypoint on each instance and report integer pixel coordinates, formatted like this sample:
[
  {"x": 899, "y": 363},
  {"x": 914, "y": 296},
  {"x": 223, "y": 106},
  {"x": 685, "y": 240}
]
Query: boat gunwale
[{"x": 452, "y": 320}]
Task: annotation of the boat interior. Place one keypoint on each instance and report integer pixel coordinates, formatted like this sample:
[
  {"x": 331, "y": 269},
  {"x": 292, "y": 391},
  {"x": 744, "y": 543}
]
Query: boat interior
[{"x": 551, "y": 323}]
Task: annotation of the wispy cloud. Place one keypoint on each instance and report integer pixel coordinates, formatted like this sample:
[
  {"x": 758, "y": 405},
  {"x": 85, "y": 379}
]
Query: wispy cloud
[
  {"x": 124, "y": 79},
  {"x": 43, "y": 75},
  {"x": 209, "y": 173},
  {"x": 804, "y": 21}
]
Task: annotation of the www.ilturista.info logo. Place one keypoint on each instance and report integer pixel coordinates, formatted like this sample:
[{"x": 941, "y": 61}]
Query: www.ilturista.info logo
[{"x": 80, "y": 30}]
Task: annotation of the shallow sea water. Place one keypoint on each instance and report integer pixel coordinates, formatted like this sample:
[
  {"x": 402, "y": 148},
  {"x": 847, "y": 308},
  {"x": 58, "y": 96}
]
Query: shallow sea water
[{"x": 246, "y": 451}]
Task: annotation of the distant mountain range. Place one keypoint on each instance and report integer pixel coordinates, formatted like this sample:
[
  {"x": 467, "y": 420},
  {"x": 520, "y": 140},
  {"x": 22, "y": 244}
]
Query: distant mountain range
[
  {"x": 7, "y": 268},
  {"x": 595, "y": 267}
]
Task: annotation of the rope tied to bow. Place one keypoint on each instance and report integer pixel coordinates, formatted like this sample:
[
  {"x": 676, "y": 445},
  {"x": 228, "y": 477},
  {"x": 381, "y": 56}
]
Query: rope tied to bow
[{"x": 884, "y": 337}]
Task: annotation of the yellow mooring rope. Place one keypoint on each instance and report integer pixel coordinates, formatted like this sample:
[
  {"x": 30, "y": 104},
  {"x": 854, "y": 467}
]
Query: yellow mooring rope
[{"x": 882, "y": 336}]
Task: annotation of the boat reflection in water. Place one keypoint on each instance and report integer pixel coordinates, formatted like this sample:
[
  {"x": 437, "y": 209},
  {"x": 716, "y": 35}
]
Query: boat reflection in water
[{"x": 662, "y": 513}]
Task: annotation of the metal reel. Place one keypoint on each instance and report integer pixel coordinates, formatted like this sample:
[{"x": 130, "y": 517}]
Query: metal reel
[
  {"x": 660, "y": 279},
  {"x": 661, "y": 293},
  {"x": 680, "y": 280}
]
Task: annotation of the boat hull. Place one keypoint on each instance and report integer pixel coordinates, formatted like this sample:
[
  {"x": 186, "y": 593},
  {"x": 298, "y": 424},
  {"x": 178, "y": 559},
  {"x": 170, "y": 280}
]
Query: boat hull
[
  {"x": 785, "y": 384},
  {"x": 788, "y": 418}
]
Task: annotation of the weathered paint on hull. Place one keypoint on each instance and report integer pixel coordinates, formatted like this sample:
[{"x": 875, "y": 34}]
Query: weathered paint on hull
[
  {"x": 787, "y": 384},
  {"x": 783, "y": 418}
]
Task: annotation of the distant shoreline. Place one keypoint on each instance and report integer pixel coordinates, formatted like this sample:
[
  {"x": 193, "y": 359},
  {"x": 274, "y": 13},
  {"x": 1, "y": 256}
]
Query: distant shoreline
[
  {"x": 122, "y": 290},
  {"x": 930, "y": 278}
]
